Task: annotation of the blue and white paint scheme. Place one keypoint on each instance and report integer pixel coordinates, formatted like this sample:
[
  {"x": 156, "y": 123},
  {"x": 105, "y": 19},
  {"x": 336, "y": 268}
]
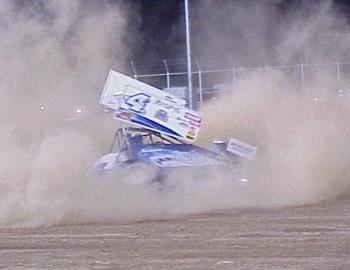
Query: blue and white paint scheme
[
  {"x": 145, "y": 106},
  {"x": 137, "y": 145},
  {"x": 162, "y": 131}
]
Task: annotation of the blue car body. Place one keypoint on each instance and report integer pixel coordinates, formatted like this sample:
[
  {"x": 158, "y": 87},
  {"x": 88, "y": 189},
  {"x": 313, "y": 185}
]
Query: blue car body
[{"x": 138, "y": 145}]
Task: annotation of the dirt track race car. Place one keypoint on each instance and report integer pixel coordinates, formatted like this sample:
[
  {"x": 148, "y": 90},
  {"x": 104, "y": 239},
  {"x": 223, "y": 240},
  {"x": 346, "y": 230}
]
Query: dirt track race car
[{"x": 162, "y": 132}]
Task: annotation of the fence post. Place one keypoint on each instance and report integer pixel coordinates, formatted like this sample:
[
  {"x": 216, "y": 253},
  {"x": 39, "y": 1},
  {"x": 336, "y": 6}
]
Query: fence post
[
  {"x": 234, "y": 75},
  {"x": 133, "y": 69},
  {"x": 167, "y": 73},
  {"x": 302, "y": 74},
  {"x": 338, "y": 73},
  {"x": 200, "y": 82}
]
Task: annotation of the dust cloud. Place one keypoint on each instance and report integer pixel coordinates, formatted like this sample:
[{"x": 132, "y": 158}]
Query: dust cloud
[
  {"x": 302, "y": 139},
  {"x": 300, "y": 129},
  {"x": 55, "y": 57}
]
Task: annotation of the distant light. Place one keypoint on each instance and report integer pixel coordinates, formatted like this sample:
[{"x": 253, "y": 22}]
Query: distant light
[
  {"x": 316, "y": 99},
  {"x": 244, "y": 180},
  {"x": 218, "y": 141},
  {"x": 106, "y": 110},
  {"x": 79, "y": 111},
  {"x": 42, "y": 108}
]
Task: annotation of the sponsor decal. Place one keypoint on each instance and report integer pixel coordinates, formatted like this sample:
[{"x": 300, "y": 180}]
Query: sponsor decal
[
  {"x": 125, "y": 115},
  {"x": 242, "y": 149},
  {"x": 193, "y": 118},
  {"x": 182, "y": 123},
  {"x": 195, "y": 124},
  {"x": 189, "y": 137},
  {"x": 170, "y": 99},
  {"x": 162, "y": 115},
  {"x": 171, "y": 107}
]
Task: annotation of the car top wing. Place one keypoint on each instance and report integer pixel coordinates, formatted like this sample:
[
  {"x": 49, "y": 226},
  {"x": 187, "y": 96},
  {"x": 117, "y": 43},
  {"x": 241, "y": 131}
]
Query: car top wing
[{"x": 145, "y": 106}]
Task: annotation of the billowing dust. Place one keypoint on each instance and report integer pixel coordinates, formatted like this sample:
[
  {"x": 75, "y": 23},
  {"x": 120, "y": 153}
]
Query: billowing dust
[
  {"x": 302, "y": 138},
  {"x": 54, "y": 59}
]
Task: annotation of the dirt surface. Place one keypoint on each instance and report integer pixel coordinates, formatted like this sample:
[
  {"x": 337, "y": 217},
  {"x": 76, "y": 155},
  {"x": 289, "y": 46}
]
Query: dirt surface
[{"x": 311, "y": 237}]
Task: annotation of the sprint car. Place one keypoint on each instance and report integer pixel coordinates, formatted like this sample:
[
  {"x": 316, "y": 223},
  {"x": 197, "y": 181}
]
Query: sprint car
[
  {"x": 161, "y": 132},
  {"x": 133, "y": 147}
]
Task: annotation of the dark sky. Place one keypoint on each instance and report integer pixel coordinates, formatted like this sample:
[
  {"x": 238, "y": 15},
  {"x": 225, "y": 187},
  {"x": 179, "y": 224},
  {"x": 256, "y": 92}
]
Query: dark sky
[
  {"x": 156, "y": 28},
  {"x": 159, "y": 26}
]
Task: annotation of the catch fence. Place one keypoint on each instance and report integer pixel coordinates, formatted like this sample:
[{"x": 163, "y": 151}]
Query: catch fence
[{"x": 210, "y": 78}]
